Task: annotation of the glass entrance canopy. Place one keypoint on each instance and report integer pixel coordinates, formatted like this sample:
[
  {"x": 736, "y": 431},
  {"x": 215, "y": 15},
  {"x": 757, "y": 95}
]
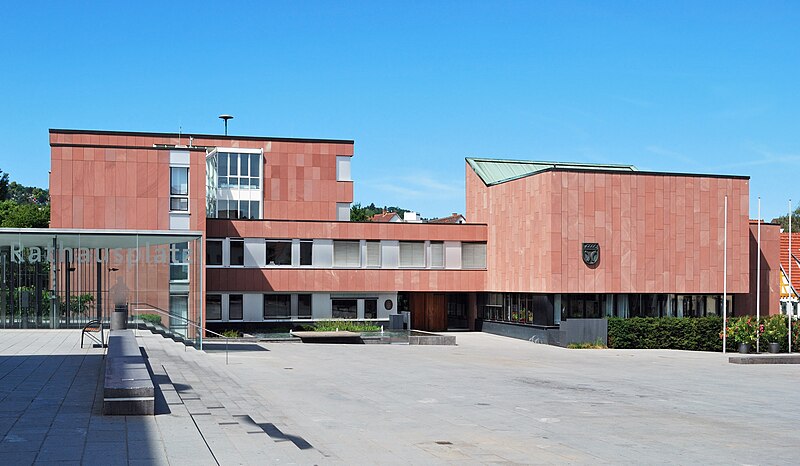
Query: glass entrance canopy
[{"x": 54, "y": 278}]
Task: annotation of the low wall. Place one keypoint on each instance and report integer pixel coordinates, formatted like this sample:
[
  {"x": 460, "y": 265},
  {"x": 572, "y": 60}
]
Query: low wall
[
  {"x": 585, "y": 331},
  {"x": 544, "y": 335}
]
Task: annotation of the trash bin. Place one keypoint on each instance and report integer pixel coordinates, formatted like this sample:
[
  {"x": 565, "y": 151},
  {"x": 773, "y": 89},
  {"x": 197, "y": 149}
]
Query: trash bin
[{"x": 119, "y": 318}]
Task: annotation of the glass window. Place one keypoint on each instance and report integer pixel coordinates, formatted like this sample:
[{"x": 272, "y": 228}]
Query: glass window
[
  {"x": 178, "y": 311},
  {"x": 213, "y": 252},
  {"x": 222, "y": 164},
  {"x": 304, "y": 306},
  {"x": 255, "y": 160},
  {"x": 279, "y": 253},
  {"x": 373, "y": 253},
  {"x": 370, "y": 308},
  {"x": 473, "y": 255},
  {"x": 234, "y": 166},
  {"x": 277, "y": 306},
  {"x": 346, "y": 254},
  {"x": 213, "y": 307},
  {"x": 179, "y": 262},
  {"x": 179, "y": 181},
  {"x": 245, "y": 165},
  {"x": 306, "y": 247},
  {"x": 235, "y": 307},
  {"x": 344, "y": 308},
  {"x": 244, "y": 209},
  {"x": 179, "y": 189},
  {"x": 412, "y": 254},
  {"x": 437, "y": 254},
  {"x": 237, "y": 252},
  {"x": 254, "y": 210}
]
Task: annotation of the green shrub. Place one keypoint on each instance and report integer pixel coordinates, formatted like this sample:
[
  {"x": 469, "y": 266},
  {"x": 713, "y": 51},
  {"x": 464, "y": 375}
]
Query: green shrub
[
  {"x": 231, "y": 333},
  {"x": 345, "y": 326},
  {"x": 683, "y": 333},
  {"x": 152, "y": 318}
]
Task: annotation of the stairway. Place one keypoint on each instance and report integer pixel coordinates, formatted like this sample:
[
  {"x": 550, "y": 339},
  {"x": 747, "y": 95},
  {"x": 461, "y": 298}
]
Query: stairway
[{"x": 212, "y": 410}]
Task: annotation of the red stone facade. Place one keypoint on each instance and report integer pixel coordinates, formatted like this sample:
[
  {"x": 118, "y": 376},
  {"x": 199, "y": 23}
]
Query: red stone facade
[{"x": 658, "y": 233}]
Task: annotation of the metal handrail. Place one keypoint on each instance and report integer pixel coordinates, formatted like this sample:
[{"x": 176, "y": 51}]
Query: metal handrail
[{"x": 202, "y": 329}]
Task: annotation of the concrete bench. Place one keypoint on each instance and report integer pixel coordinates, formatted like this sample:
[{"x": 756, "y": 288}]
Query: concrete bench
[
  {"x": 329, "y": 337},
  {"x": 128, "y": 388}
]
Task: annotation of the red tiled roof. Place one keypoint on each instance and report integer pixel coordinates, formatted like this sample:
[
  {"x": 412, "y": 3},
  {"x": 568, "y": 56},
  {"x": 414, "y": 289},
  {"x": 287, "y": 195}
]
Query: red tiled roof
[
  {"x": 795, "y": 270},
  {"x": 451, "y": 219},
  {"x": 384, "y": 217}
]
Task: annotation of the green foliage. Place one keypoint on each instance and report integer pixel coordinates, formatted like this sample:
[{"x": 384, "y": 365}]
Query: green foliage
[
  {"x": 588, "y": 345},
  {"x": 14, "y": 215},
  {"x": 79, "y": 304},
  {"x": 743, "y": 329},
  {"x": 23, "y": 206},
  {"x": 775, "y": 329},
  {"x": 683, "y": 333},
  {"x": 151, "y": 318},
  {"x": 27, "y": 194},
  {"x": 344, "y": 326},
  {"x": 783, "y": 220},
  {"x": 364, "y": 214},
  {"x": 231, "y": 333},
  {"x": 3, "y": 185}
]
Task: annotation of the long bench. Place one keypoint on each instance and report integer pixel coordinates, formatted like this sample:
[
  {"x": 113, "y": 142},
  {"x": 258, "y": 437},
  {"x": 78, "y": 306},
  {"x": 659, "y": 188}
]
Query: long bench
[{"x": 128, "y": 388}]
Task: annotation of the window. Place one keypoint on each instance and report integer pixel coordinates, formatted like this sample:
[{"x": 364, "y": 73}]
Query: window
[
  {"x": 346, "y": 254},
  {"x": 473, "y": 255},
  {"x": 241, "y": 171},
  {"x": 178, "y": 311},
  {"x": 235, "y": 307},
  {"x": 306, "y": 247},
  {"x": 437, "y": 255},
  {"x": 279, "y": 253},
  {"x": 373, "y": 253},
  {"x": 370, "y": 308},
  {"x": 179, "y": 262},
  {"x": 237, "y": 252},
  {"x": 179, "y": 189},
  {"x": 342, "y": 211},
  {"x": 343, "y": 168},
  {"x": 344, "y": 308},
  {"x": 213, "y": 252},
  {"x": 412, "y": 254},
  {"x": 277, "y": 306},
  {"x": 213, "y": 307},
  {"x": 304, "y": 306}
]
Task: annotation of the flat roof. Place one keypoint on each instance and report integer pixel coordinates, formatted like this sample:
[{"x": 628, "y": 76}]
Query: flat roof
[
  {"x": 199, "y": 136},
  {"x": 497, "y": 171}
]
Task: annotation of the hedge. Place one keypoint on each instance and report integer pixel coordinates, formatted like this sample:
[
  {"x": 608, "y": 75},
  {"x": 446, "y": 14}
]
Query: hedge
[{"x": 683, "y": 333}]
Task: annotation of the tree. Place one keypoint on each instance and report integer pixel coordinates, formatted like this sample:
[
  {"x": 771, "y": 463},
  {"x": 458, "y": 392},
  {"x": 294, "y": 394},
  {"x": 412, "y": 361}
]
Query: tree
[
  {"x": 783, "y": 220},
  {"x": 13, "y": 215},
  {"x": 27, "y": 194},
  {"x": 3, "y": 186}
]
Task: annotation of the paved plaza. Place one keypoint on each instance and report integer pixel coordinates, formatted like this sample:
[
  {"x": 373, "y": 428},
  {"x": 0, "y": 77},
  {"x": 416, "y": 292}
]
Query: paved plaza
[{"x": 488, "y": 400}]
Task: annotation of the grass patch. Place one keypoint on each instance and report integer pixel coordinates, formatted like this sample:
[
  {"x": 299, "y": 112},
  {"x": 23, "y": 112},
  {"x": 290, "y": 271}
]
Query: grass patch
[
  {"x": 151, "y": 318},
  {"x": 344, "y": 326},
  {"x": 588, "y": 345}
]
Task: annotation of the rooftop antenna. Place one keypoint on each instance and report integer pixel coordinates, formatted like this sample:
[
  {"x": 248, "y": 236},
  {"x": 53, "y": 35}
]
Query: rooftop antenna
[{"x": 225, "y": 118}]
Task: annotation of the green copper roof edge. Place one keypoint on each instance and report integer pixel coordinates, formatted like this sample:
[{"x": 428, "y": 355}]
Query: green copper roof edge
[{"x": 568, "y": 166}]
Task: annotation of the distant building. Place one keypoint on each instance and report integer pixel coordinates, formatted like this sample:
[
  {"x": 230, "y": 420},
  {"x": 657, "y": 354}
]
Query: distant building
[
  {"x": 385, "y": 217},
  {"x": 453, "y": 218}
]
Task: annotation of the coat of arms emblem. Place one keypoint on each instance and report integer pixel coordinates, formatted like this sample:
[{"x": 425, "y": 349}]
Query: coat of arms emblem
[{"x": 591, "y": 253}]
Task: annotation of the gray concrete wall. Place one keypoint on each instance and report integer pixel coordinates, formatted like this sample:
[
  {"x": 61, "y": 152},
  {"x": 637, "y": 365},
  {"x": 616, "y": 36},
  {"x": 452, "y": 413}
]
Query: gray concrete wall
[
  {"x": 585, "y": 331},
  {"x": 548, "y": 336}
]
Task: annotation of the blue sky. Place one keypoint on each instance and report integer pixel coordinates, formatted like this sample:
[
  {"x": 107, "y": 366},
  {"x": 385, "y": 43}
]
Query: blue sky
[{"x": 671, "y": 86}]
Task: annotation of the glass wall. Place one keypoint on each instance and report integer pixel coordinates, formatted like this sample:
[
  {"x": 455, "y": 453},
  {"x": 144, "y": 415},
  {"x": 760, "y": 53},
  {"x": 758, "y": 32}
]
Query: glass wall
[{"x": 63, "y": 279}]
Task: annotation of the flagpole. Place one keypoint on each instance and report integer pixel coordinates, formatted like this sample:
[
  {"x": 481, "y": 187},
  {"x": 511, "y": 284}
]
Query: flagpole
[
  {"x": 725, "y": 283},
  {"x": 790, "y": 306},
  {"x": 758, "y": 281}
]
